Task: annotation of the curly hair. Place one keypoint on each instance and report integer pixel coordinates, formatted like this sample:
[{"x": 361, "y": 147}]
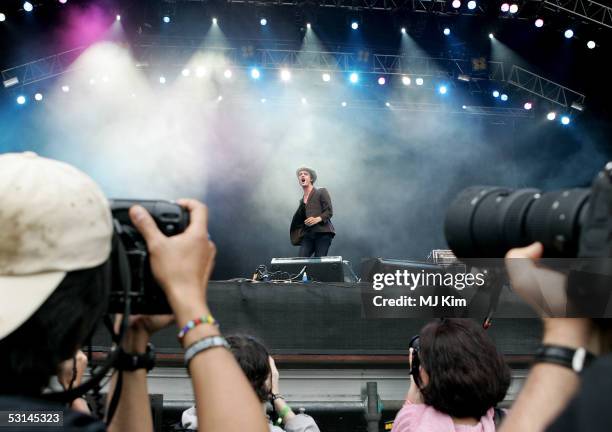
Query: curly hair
[
  {"x": 467, "y": 375},
  {"x": 252, "y": 356},
  {"x": 313, "y": 173}
]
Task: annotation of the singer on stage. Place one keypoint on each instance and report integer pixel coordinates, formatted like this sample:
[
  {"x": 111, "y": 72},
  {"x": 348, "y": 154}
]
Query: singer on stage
[{"x": 311, "y": 227}]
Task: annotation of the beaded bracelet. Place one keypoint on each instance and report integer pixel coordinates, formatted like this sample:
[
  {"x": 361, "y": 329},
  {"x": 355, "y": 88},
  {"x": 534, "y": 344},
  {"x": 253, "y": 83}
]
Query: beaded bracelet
[{"x": 205, "y": 319}]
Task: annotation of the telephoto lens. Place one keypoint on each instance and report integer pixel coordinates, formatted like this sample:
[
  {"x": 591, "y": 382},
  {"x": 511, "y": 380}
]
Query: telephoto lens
[{"x": 487, "y": 221}]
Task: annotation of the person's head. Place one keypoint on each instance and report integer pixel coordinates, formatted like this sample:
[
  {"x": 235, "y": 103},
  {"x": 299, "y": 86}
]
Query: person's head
[
  {"x": 306, "y": 176},
  {"x": 462, "y": 373},
  {"x": 252, "y": 356},
  {"x": 53, "y": 267}
]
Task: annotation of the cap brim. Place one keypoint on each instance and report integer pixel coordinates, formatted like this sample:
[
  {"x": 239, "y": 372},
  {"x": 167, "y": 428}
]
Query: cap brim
[{"x": 21, "y": 296}]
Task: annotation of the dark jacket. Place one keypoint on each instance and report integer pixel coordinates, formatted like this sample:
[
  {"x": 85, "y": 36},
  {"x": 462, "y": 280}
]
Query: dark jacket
[{"x": 319, "y": 204}]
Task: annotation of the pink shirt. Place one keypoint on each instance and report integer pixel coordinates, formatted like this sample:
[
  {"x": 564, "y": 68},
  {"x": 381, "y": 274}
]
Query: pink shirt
[{"x": 424, "y": 418}]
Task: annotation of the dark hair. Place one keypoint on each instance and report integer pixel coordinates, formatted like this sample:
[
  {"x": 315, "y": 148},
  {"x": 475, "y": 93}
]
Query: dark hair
[
  {"x": 313, "y": 173},
  {"x": 252, "y": 356},
  {"x": 32, "y": 353},
  {"x": 467, "y": 375}
]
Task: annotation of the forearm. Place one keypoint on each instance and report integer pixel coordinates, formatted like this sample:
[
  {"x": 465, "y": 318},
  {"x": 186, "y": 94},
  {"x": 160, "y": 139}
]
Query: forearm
[
  {"x": 224, "y": 397},
  {"x": 279, "y": 405},
  {"x": 546, "y": 392},
  {"x": 133, "y": 412}
]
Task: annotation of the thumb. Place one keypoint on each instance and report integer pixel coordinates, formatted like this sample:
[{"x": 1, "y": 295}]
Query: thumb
[{"x": 145, "y": 224}]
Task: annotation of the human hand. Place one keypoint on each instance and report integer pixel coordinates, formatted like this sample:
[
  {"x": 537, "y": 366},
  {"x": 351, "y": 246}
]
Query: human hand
[
  {"x": 140, "y": 328},
  {"x": 313, "y": 220},
  {"x": 66, "y": 370},
  {"x": 414, "y": 393},
  {"x": 545, "y": 291},
  {"x": 274, "y": 376},
  {"x": 182, "y": 264}
]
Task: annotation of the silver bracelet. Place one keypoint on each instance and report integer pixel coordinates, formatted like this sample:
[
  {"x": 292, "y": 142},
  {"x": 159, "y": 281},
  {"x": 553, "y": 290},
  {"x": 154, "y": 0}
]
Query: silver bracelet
[{"x": 203, "y": 345}]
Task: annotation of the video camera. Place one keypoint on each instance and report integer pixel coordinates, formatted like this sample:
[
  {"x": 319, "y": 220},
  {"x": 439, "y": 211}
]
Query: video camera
[
  {"x": 487, "y": 221},
  {"x": 130, "y": 264}
]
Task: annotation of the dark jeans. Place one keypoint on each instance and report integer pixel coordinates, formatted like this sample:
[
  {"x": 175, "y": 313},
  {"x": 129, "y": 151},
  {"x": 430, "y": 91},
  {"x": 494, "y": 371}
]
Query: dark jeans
[{"x": 317, "y": 243}]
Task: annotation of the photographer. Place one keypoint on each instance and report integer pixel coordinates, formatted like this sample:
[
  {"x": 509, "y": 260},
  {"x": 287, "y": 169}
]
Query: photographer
[
  {"x": 458, "y": 377},
  {"x": 552, "y": 382},
  {"x": 260, "y": 369},
  {"x": 54, "y": 282}
]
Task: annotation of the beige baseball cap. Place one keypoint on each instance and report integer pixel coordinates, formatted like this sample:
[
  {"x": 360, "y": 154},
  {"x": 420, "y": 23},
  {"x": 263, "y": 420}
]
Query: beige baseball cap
[{"x": 53, "y": 219}]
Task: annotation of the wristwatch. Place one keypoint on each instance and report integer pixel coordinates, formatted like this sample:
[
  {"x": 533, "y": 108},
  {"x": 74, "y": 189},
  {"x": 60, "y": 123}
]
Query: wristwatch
[
  {"x": 133, "y": 361},
  {"x": 575, "y": 359}
]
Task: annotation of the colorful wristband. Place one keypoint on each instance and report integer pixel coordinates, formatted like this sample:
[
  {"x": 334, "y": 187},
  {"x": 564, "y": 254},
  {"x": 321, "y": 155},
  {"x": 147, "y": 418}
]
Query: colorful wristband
[
  {"x": 283, "y": 412},
  {"x": 206, "y": 319}
]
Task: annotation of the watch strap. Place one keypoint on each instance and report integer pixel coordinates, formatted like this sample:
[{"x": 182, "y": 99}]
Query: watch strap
[
  {"x": 133, "y": 361},
  {"x": 575, "y": 359}
]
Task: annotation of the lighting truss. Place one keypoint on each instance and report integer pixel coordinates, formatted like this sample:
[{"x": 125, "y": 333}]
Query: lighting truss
[
  {"x": 585, "y": 9},
  {"x": 544, "y": 88},
  {"x": 150, "y": 55},
  {"x": 42, "y": 69},
  {"x": 435, "y": 6}
]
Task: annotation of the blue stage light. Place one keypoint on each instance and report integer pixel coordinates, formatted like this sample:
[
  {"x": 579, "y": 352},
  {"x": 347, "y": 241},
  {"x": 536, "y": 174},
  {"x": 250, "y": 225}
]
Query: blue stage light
[
  {"x": 255, "y": 74},
  {"x": 442, "y": 89},
  {"x": 166, "y": 19},
  {"x": 263, "y": 21},
  {"x": 446, "y": 31},
  {"x": 565, "y": 120},
  {"x": 354, "y": 77},
  {"x": 495, "y": 94},
  {"x": 354, "y": 25},
  {"x": 21, "y": 99}
]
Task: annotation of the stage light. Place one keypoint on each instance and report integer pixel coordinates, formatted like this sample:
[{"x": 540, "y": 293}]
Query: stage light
[
  {"x": 551, "y": 115},
  {"x": 304, "y": 101},
  {"x": 38, "y": 97},
  {"x": 200, "y": 72},
  {"x": 255, "y": 74},
  {"x": 228, "y": 73},
  {"x": 514, "y": 8},
  {"x": 539, "y": 22},
  {"x": 354, "y": 77},
  {"x": 591, "y": 44},
  {"x": 403, "y": 30},
  {"x": 117, "y": 17},
  {"x": 504, "y": 97},
  {"x": 263, "y": 22},
  {"x": 456, "y": 4},
  {"x": 2, "y": 17},
  {"x": 93, "y": 81},
  {"x": 464, "y": 107},
  {"x": 220, "y": 98},
  {"x": 495, "y": 94},
  {"x": 214, "y": 21},
  {"x": 419, "y": 81},
  {"x": 406, "y": 80},
  {"x": 446, "y": 31},
  {"x": 343, "y": 104},
  {"x": 63, "y": 1},
  {"x": 308, "y": 26},
  {"x": 263, "y": 100},
  {"x": 166, "y": 19},
  {"x": 354, "y": 25},
  {"x": 27, "y": 6},
  {"x": 442, "y": 89},
  {"x": 162, "y": 80},
  {"x": 21, "y": 100},
  {"x": 326, "y": 77},
  {"x": 65, "y": 88},
  {"x": 387, "y": 104},
  {"x": 185, "y": 72},
  {"x": 285, "y": 75},
  {"x": 505, "y": 7},
  {"x": 565, "y": 120},
  {"x": 491, "y": 36},
  {"x": 381, "y": 81},
  {"x": 527, "y": 105},
  {"x": 569, "y": 33},
  {"x": 471, "y": 5}
]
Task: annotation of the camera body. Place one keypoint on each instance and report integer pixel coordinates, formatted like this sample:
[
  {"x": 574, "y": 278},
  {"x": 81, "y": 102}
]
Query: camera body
[{"x": 130, "y": 264}]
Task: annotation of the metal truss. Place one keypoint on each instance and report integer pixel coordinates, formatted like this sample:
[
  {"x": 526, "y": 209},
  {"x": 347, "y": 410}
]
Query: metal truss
[
  {"x": 473, "y": 72},
  {"x": 435, "y": 6},
  {"x": 586, "y": 9},
  {"x": 41, "y": 69},
  {"x": 544, "y": 88}
]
